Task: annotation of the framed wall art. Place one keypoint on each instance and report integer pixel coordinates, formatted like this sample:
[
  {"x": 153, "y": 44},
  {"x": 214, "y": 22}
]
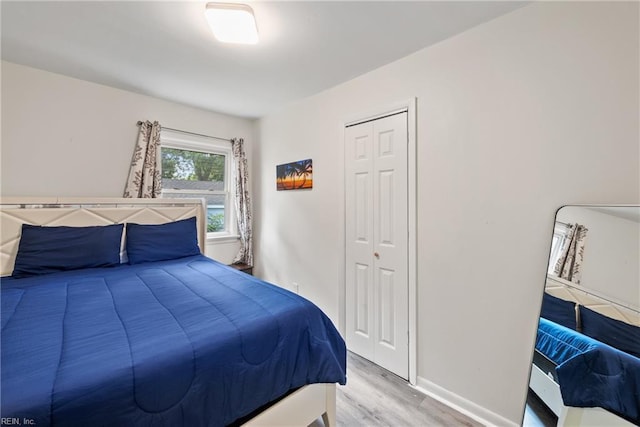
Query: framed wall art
[{"x": 295, "y": 176}]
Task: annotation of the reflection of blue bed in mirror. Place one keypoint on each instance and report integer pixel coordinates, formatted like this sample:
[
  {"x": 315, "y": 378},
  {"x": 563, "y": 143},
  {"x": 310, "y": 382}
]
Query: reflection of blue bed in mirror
[
  {"x": 590, "y": 373},
  {"x": 586, "y": 364}
]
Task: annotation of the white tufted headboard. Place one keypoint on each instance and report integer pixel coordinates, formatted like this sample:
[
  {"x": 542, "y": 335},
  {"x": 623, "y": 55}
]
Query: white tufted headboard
[
  {"x": 74, "y": 211},
  {"x": 592, "y": 300}
]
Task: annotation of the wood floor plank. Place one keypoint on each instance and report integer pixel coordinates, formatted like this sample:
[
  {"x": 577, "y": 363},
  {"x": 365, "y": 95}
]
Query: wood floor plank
[{"x": 376, "y": 397}]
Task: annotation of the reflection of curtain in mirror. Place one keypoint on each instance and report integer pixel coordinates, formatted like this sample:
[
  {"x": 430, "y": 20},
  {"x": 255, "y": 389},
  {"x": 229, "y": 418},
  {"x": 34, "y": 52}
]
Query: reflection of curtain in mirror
[{"x": 569, "y": 265}]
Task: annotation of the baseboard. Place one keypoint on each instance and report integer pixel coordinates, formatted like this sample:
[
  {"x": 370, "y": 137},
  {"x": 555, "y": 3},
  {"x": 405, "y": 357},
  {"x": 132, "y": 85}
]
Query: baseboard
[{"x": 462, "y": 405}]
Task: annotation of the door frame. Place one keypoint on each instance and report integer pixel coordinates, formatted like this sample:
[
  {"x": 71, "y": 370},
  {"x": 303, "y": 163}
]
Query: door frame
[{"x": 409, "y": 106}]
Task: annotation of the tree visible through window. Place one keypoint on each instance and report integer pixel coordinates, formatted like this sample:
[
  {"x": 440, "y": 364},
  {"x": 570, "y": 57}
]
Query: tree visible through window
[
  {"x": 192, "y": 165},
  {"x": 190, "y": 173}
]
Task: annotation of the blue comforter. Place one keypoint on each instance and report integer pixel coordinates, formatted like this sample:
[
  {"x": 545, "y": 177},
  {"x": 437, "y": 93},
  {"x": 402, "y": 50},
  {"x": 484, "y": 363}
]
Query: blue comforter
[
  {"x": 181, "y": 342},
  {"x": 590, "y": 373}
]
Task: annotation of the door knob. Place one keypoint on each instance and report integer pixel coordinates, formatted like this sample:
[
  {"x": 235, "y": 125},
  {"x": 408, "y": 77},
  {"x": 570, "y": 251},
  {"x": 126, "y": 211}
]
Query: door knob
[{"x": 377, "y": 255}]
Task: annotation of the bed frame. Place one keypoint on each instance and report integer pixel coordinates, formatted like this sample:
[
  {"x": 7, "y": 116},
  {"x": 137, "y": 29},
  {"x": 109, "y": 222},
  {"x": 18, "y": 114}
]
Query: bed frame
[
  {"x": 299, "y": 408},
  {"x": 547, "y": 389}
]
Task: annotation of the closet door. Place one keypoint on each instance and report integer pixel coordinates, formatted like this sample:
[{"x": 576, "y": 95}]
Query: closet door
[{"x": 377, "y": 241}]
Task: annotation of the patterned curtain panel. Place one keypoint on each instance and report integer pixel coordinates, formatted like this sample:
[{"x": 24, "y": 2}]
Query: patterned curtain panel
[
  {"x": 243, "y": 204},
  {"x": 145, "y": 180},
  {"x": 569, "y": 265}
]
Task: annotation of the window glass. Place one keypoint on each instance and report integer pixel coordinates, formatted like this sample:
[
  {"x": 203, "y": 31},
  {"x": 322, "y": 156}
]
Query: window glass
[
  {"x": 190, "y": 173},
  {"x": 560, "y": 232}
]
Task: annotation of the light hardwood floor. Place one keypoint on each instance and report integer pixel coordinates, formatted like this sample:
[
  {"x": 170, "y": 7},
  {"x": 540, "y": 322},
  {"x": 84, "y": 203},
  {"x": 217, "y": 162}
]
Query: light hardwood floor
[
  {"x": 537, "y": 414},
  {"x": 376, "y": 397}
]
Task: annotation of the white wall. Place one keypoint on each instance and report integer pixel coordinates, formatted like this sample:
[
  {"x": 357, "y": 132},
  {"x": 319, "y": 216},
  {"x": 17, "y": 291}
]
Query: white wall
[
  {"x": 67, "y": 137},
  {"x": 516, "y": 117},
  {"x": 611, "y": 264}
]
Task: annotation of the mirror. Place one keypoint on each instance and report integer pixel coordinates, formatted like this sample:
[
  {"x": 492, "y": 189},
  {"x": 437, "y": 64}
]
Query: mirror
[{"x": 586, "y": 366}]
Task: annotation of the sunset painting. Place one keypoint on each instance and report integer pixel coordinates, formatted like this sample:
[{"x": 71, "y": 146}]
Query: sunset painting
[{"x": 295, "y": 176}]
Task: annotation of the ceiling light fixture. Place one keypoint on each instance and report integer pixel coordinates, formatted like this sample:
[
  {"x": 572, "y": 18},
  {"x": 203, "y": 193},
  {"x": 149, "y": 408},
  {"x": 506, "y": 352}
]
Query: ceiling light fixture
[{"x": 232, "y": 22}]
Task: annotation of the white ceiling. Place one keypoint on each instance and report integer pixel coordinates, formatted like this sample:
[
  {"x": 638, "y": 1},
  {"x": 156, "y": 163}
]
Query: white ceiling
[
  {"x": 631, "y": 213},
  {"x": 165, "y": 49}
]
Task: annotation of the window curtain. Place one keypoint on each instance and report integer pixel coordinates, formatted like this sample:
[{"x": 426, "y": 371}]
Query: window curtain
[
  {"x": 569, "y": 265},
  {"x": 145, "y": 179},
  {"x": 243, "y": 203}
]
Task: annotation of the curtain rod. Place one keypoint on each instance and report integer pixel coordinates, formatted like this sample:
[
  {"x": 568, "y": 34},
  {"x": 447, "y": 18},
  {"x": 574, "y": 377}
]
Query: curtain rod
[{"x": 192, "y": 133}]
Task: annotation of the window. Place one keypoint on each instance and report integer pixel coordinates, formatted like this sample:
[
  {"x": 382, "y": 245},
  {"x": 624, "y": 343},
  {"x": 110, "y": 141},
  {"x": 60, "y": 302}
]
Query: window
[
  {"x": 197, "y": 166},
  {"x": 560, "y": 232}
]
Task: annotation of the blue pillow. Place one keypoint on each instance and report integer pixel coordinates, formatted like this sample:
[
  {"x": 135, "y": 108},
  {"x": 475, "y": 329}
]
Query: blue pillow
[
  {"x": 44, "y": 250},
  {"x": 615, "y": 333},
  {"x": 559, "y": 311},
  {"x": 160, "y": 242}
]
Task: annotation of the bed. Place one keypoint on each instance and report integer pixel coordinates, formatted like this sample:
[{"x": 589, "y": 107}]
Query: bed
[
  {"x": 169, "y": 337},
  {"x": 586, "y": 365}
]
